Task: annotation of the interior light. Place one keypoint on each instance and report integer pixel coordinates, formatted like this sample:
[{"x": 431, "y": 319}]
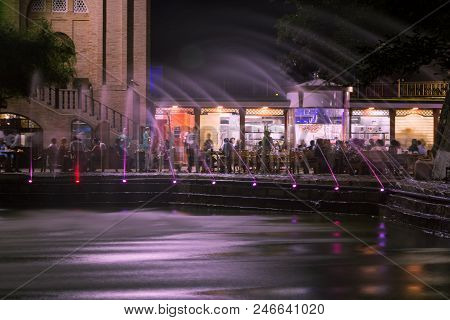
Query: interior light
[
  {"x": 174, "y": 107},
  {"x": 415, "y": 108}
]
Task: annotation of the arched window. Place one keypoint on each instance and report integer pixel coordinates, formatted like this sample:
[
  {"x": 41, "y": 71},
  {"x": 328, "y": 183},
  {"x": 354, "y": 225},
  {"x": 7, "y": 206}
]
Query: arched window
[
  {"x": 59, "y": 6},
  {"x": 79, "y": 6},
  {"x": 37, "y": 6},
  {"x": 29, "y": 131}
]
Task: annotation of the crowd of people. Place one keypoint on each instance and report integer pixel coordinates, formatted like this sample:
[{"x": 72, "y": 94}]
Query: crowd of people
[{"x": 267, "y": 156}]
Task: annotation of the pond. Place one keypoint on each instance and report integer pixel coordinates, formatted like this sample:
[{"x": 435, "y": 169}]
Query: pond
[{"x": 216, "y": 254}]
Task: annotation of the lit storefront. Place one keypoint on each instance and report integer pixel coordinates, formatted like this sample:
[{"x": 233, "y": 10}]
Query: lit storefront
[
  {"x": 220, "y": 123},
  {"x": 245, "y": 121},
  {"x": 173, "y": 124},
  {"x": 321, "y": 111},
  {"x": 29, "y": 131},
  {"x": 370, "y": 124},
  {"x": 415, "y": 124},
  {"x": 30, "y": 135},
  {"x": 259, "y": 119},
  {"x": 82, "y": 131},
  {"x": 318, "y": 123}
]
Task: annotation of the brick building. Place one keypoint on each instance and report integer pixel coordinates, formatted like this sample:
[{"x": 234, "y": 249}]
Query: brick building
[{"x": 109, "y": 93}]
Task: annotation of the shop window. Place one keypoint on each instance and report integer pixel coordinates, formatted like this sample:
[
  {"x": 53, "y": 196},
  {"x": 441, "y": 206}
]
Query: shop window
[
  {"x": 315, "y": 123},
  {"x": 370, "y": 124},
  {"x": 59, "y": 6},
  {"x": 30, "y": 132},
  {"x": 258, "y": 120},
  {"x": 37, "y": 6},
  {"x": 82, "y": 131},
  {"x": 414, "y": 124},
  {"x": 79, "y": 6}
]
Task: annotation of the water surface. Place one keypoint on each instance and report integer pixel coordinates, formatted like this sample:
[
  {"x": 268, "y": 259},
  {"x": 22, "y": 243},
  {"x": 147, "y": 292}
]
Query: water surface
[{"x": 176, "y": 254}]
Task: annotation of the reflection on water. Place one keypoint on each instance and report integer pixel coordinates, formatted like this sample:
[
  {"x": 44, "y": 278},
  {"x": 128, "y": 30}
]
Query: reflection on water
[{"x": 164, "y": 254}]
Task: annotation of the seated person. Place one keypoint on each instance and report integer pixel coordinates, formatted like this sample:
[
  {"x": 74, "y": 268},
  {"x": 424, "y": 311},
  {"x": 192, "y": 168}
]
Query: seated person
[
  {"x": 379, "y": 146},
  {"x": 421, "y": 148},
  {"x": 413, "y": 148},
  {"x": 395, "y": 147}
]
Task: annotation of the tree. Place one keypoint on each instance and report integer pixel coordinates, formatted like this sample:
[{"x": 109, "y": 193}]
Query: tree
[
  {"x": 36, "y": 56},
  {"x": 340, "y": 39}
]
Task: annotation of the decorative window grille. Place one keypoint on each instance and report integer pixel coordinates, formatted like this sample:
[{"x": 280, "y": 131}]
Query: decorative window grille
[
  {"x": 59, "y": 5},
  {"x": 265, "y": 112},
  {"x": 163, "y": 111},
  {"x": 420, "y": 112},
  {"x": 219, "y": 110},
  {"x": 370, "y": 113},
  {"x": 79, "y": 6},
  {"x": 37, "y": 6}
]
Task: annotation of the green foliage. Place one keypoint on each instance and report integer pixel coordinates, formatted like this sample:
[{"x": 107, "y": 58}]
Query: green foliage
[
  {"x": 404, "y": 56},
  {"x": 334, "y": 35},
  {"x": 36, "y": 56}
]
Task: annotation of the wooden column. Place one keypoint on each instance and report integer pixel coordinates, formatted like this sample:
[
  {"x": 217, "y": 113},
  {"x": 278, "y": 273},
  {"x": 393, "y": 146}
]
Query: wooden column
[
  {"x": 197, "y": 113},
  {"x": 392, "y": 124},
  {"x": 436, "y": 113},
  {"x": 242, "y": 126},
  {"x": 350, "y": 114},
  {"x": 286, "y": 127},
  {"x": 291, "y": 128}
]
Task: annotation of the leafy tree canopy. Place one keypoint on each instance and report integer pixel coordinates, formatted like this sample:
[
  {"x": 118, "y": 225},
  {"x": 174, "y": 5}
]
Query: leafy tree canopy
[
  {"x": 368, "y": 39},
  {"x": 31, "y": 57}
]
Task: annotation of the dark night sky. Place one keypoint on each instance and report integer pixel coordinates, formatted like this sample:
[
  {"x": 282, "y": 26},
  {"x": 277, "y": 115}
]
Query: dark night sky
[{"x": 214, "y": 39}]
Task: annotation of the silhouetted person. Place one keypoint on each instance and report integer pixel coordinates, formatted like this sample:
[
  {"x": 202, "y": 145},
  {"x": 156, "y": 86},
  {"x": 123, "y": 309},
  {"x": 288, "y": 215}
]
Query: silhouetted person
[
  {"x": 52, "y": 155},
  {"x": 227, "y": 150},
  {"x": 63, "y": 155}
]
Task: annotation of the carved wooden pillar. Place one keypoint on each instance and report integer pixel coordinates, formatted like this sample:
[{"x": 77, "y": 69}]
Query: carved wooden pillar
[
  {"x": 242, "y": 126},
  {"x": 392, "y": 124},
  {"x": 436, "y": 113},
  {"x": 197, "y": 113}
]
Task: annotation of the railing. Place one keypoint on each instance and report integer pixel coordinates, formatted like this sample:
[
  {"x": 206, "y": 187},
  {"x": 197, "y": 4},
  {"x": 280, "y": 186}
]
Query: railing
[
  {"x": 400, "y": 89},
  {"x": 79, "y": 100}
]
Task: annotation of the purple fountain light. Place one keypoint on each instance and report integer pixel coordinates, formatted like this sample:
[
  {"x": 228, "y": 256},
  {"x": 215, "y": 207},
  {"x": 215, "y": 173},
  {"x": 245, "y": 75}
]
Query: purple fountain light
[
  {"x": 371, "y": 169},
  {"x": 336, "y": 187},
  {"x": 210, "y": 172}
]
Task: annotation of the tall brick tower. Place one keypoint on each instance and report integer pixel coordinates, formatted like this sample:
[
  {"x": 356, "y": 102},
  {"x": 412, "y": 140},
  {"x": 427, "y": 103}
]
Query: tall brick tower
[{"x": 111, "y": 39}]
